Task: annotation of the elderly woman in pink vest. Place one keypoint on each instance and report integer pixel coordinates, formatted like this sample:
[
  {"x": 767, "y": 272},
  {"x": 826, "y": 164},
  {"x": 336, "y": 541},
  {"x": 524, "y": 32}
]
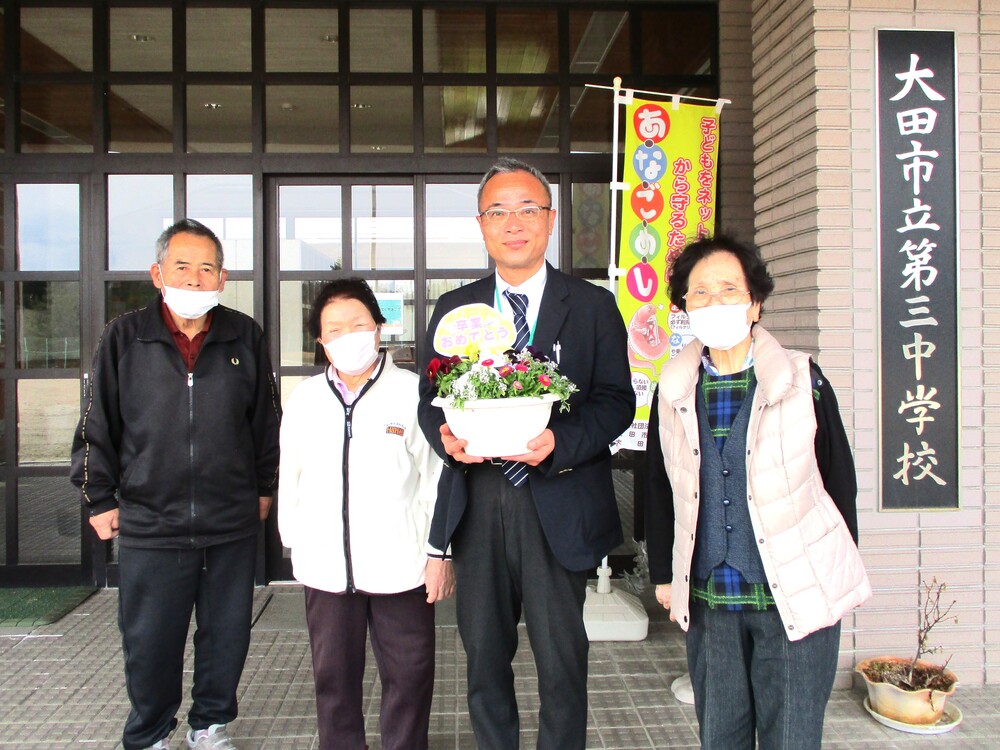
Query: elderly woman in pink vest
[{"x": 751, "y": 522}]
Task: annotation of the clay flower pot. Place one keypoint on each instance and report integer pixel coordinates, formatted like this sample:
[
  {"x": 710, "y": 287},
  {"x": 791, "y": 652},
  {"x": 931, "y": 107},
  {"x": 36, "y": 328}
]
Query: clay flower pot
[{"x": 916, "y": 707}]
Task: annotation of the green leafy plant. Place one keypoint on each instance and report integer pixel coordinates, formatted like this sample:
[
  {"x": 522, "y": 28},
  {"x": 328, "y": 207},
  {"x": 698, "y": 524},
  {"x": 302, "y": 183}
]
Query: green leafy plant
[{"x": 513, "y": 375}]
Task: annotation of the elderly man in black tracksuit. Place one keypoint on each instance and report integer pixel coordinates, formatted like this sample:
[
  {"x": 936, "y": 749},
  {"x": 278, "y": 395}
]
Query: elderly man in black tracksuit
[{"x": 177, "y": 452}]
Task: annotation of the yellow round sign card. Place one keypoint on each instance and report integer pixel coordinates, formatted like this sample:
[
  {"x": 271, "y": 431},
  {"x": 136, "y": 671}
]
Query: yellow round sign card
[{"x": 469, "y": 327}]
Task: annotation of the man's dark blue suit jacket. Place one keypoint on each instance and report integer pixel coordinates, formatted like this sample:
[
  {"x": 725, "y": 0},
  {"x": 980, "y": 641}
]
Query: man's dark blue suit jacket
[{"x": 572, "y": 488}]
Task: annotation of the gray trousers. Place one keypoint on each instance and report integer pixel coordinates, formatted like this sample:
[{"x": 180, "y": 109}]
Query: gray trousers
[{"x": 503, "y": 566}]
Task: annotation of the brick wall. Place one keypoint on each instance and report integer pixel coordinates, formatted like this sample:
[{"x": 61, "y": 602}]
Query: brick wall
[{"x": 815, "y": 182}]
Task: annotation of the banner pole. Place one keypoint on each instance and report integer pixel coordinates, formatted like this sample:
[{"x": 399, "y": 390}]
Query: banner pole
[{"x": 613, "y": 271}]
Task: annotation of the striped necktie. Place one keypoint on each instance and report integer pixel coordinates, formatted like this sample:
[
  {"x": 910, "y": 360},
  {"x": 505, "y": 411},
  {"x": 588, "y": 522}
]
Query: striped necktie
[
  {"x": 519, "y": 304},
  {"x": 515, "y": 471}
]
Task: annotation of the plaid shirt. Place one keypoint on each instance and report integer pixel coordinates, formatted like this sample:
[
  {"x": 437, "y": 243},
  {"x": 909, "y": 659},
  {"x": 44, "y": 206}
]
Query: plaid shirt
[{"x": 723, "y": 395}]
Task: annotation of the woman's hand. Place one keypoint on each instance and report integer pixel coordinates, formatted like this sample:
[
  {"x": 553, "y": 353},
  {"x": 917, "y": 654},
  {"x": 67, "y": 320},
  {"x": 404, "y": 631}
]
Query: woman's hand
[{"x": 663, "y": 597}]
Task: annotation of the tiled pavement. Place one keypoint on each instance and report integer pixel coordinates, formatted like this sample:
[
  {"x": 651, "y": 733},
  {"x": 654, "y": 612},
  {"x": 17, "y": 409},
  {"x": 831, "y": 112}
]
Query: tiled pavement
[{"x": 61, "y": 687}]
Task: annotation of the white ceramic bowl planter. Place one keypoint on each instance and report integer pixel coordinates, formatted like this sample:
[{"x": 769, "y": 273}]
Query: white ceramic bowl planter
[{"x": 498, "y": 426}]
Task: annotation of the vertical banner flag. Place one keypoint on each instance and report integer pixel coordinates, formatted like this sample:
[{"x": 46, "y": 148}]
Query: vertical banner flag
[{"x": 671, "y": 153}]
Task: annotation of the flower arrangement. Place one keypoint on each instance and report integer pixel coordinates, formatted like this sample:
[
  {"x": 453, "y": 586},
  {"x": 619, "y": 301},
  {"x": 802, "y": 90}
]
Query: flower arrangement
[{"x": 518, "y": 374}]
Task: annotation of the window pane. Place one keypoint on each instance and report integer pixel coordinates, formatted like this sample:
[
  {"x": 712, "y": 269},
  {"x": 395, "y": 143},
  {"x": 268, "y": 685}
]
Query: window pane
[
  {"x": 121, "y": 297},
  {"x": 218, "y": 39},
  {"x": 48, "y": 516},
  {"x": 3, "y": 219},
  {"x": 48, "y": 324},
  {"x": 381, "y": 41},
  {"x": 382, "y": 226},
  {"x": 590, "y": 126},
  {"x": 141, "y": 119},
  {"x": 141, "y": 39},
  {"x": 57, "y": 118},
  {"x": 454, "y": 40},
  {"x": 302, "y": 41},
  {"x": 454, "y": 119},
  {"x": 528, "y": 118},
  {"x": 453, "y": 236},
  {"x": 239, "y": 296},
  {"x": 591, "y": 225},
  {"x": 295, "y": 298},
  {"x": 287, "y": 384},
  {"x": 527, "y": 41},
  {"x": 225, "y": 204},
  {"x": 395, "y": 299},
  {"x": 218, "y": 119},
  {"x": 140, "y": 207},
  {"x": 3, "y": 522},
  {"x": 310, "y": 228},
  {"x": 599, "y": 42},
  {"x": 56, "y": 40},
  {"x": 47, "y": 413},
  {"x": 678, "y": 42},
  {"x": 437, "y": 287},
  {"x": 48, "y": 227},
  {"x": 381, "y": 119},
  {"x": 303, "y": 119}
]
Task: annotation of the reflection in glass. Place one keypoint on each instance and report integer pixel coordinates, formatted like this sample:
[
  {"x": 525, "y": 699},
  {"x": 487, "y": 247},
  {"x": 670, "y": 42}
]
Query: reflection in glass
[
  {"x": 590, "y": 123},
  {"x": 438, "y": 287},
  {"x": 299, "y": 349},
  {"x": 381, "y": 119},
  {"x": 599, "y": 42},
  {"x": 528, "y": 118},
  {"x": 303, "y": 119},
  {"x": 56, "y": 118},
  {"x": 124, "y": 296},
  {"x": 310, "y": 228},
  {"x": 56, "y": 40},
  {"x": 454, "y": 40},
  {"x": 48, "y": 227},
  {"x": 527, "y": 41},
  {"x": 141, "y": 39},
  {"x": 140, "y": 207},
  {"x": 454, "y": 119},
  {"x": 3, "y": 521},
  {"x": 3, "y": 219},
  {"x": 591, "y": 224},
  {"x": 224, "y": 203},
  {"x": 453, "y": 237},
  {"x": 677, "y": 42},
  {"x": 382, "y": 226},
  {"x": 302, "y": 40},
  {"x": 48, "y": 521},
  {"x": 218, "y": 119},
  {"x": 47, "y": 413},
  {"x": 140, "y": 119},
  {"x": 381, "y": 41},
  {"x": 48, "y": 323},
  {"x": 207, "y": 28},
  {"x": 3, "y": 447}
]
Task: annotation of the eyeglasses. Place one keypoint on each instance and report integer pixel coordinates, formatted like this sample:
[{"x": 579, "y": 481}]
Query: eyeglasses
[
  {"x": 728, "y": 295},
  {"x": 526, "y": 214}
]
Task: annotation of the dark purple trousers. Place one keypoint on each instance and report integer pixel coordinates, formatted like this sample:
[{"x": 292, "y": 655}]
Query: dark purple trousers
[{"x": 402, "y": 632}]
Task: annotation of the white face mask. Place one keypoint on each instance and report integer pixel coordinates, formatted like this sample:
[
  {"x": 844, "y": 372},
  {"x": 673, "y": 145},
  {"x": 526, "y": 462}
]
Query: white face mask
[
  {"x": 720, "y": 326},
  {"x": 353, "y": 353},
  {"x": 188, "y": 303}
]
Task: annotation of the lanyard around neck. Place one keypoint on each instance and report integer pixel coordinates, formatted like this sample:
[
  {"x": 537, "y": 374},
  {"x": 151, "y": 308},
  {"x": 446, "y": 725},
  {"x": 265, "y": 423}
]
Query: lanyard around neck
[{"x": 531, "y": 332}]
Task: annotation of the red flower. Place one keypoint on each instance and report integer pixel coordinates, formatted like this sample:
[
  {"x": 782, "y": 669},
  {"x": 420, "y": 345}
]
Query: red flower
[
  {"x": 545, "y": 380},
  {"x": 487, "y": 363},
  {"x": 432, "y": 368},
  {"x": 518, "y": 386},
  {"x": 505, "y": 371},
  {"x": 521, "y": 367}
]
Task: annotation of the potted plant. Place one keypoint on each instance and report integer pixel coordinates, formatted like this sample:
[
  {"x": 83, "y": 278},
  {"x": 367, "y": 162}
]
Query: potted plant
[
  {"x": 498, "y": 405},
  {"x": 912, "y": 692}
]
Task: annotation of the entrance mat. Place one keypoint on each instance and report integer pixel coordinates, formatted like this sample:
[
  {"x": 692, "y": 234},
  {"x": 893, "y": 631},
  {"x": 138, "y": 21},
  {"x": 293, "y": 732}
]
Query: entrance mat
[{"x": 29, "y": 607}]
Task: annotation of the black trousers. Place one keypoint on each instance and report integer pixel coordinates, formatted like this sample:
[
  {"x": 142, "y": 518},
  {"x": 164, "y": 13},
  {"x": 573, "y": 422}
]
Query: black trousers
[
  {"x": 503, "y": 565},
  {"x": 158, "y": 589},
  {"x": 402, "y": 632}
]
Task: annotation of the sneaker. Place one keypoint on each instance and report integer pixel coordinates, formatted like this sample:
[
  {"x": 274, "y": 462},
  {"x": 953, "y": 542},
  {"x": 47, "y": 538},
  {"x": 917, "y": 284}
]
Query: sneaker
[
  {"x": 213, "y": 738},
  {"x": 161, "y": 745}
]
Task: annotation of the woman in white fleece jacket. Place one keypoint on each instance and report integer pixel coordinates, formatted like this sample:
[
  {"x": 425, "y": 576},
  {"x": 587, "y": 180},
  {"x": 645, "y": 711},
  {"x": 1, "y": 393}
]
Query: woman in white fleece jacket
[{"x": 356, "y": 493}]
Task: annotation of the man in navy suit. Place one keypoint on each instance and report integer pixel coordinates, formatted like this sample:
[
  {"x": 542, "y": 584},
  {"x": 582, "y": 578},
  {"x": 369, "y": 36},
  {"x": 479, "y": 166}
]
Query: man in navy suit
[{"x": 523, "y": 537}]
